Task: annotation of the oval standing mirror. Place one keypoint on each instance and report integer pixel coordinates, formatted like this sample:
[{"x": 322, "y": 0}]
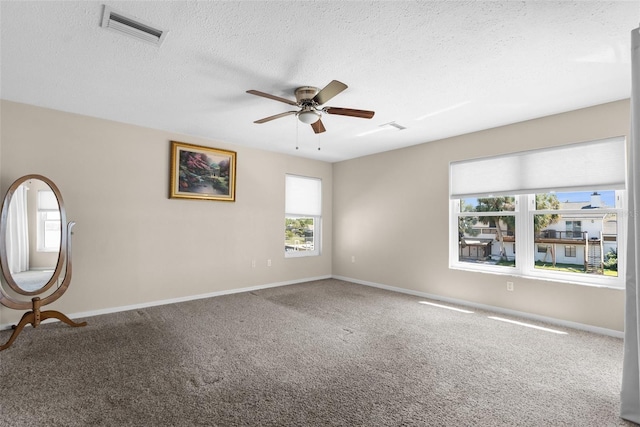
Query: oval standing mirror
[
  {"x": 34, "y": 226},
  {"x": 36, "y": 250}
]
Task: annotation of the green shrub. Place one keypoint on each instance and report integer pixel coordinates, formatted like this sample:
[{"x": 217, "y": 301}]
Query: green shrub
[{"x": 611, "y": 260}]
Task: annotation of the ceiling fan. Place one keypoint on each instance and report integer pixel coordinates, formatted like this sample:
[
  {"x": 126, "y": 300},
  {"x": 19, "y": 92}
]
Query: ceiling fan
[{"x": 310, "y": 100}]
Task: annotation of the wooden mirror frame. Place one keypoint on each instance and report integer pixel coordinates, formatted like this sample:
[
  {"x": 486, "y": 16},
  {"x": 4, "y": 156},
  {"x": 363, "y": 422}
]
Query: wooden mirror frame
[
  {"x": 35, "y": 316},
  {"x": 60, "y": 264}
]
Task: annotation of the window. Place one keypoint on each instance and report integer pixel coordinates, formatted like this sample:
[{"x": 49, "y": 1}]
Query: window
[
  {"x": 558, "y": 207},
  {"x": 303, "y": 215},
  {"x": 49, "y": 230},
  {"x": 584, "y": 224},
  {"x": 574, "y": 229},
  {"x": 485, "y": 227}
]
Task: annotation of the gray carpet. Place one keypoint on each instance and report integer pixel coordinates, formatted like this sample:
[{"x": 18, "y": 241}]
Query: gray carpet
[{"x": 324, "y": 353}]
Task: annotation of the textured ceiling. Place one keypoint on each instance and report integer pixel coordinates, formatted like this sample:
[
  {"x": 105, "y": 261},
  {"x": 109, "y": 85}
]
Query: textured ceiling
[{"x": 437, "y": 68}]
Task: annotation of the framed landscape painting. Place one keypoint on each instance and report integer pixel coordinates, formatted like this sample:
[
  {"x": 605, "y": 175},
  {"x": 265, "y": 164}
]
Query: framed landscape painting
[{"x": 203, "y": 173}]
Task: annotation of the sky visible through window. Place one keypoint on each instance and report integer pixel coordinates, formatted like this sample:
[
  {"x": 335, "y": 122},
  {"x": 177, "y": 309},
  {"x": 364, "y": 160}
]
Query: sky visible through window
[{"x": 607, "y": 198}]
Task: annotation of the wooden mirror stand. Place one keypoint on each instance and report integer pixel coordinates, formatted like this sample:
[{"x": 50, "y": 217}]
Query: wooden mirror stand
[{"x": 63, "y": 269}]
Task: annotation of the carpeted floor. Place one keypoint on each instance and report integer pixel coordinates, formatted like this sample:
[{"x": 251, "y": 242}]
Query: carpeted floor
[{"x": 324, "y": 353}]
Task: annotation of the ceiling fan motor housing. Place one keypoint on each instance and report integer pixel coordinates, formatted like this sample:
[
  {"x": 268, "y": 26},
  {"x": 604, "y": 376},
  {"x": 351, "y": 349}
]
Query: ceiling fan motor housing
[{"x": 305, "y": 93}]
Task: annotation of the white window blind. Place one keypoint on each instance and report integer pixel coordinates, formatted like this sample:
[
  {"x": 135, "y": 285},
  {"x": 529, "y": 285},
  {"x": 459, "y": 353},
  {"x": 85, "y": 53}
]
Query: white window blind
[
  {"x": 47, "y": 201},
  {"x": 588, "y": 166},
  {"x": 303, "y": 196}
]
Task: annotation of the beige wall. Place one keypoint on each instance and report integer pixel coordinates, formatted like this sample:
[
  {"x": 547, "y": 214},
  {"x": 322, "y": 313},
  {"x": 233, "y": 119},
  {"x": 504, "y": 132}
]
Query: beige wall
[
  {"x": 134, "y": 245},
  {"x": 391, "y": 214}
]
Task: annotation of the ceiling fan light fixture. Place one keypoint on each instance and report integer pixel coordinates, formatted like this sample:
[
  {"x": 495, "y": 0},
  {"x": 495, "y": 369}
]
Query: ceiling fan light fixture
[{"x": 308, "y": 117}]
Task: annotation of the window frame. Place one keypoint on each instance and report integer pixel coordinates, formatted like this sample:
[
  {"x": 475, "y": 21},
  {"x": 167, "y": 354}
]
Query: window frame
[
  {"x": 454, "y": 261},
  {"x": 526, "y": 247},
  {"x": 570, "y": 251},
  {"x": 317, "y": 219}
]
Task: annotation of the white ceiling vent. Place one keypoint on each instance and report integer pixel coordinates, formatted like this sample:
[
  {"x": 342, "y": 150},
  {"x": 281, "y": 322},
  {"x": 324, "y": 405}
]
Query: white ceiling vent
[
  {"x": 394, "y": 125},
  {"x": 132, "y": 27}
]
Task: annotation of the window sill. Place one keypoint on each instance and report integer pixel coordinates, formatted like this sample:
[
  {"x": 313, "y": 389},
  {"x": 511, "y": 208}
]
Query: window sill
[
  {"x": 619, "y": 285},
  {"x": 300, "y": 254}
]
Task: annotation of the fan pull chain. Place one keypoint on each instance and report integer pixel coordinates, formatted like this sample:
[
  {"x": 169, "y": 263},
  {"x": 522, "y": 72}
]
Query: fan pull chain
[{"x": 297, "y": 134}]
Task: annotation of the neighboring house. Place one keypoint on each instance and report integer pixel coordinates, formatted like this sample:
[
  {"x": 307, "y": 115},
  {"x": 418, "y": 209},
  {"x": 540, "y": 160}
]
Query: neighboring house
[
  {"x": 483, "y": 244},
  {"x": 581, "y": 239}
]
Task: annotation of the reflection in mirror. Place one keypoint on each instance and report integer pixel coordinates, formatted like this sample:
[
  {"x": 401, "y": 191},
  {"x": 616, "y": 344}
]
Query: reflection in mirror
[{"x": 33, "y": 235}]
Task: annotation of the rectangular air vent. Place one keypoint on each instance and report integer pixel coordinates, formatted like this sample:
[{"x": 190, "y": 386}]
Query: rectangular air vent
[
  {"x": 395, "y": 125},
  {"x": 132, "y": 27}
]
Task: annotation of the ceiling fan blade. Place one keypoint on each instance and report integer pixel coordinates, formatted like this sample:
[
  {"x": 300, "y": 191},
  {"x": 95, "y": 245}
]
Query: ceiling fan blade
[
  {"x": 364, "y": 114},
  {"x": 318, "y": 127},
  {"x": 275, "y": 98},
  {"x": 277, "y": 116},
  {"x": 329, "y": 91}
]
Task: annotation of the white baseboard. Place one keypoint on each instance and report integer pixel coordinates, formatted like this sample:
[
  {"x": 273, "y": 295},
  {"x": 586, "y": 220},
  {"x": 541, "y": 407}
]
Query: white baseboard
[
  {"x": 176, "y": 300},
  {"x": 521, "y": 314},
  {"x": 524, "y": 315}
]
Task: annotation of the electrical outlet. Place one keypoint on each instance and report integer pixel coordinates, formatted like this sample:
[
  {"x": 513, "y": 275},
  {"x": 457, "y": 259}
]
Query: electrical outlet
[
  {"x": 510, "y": 286},
  {"x": 268, "y": 263},
  {"x": 353, "y": 258}
]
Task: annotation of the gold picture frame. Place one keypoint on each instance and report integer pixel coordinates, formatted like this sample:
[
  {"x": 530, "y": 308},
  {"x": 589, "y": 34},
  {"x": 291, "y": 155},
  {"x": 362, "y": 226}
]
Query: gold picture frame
[{"x": 202, "y": 173}]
